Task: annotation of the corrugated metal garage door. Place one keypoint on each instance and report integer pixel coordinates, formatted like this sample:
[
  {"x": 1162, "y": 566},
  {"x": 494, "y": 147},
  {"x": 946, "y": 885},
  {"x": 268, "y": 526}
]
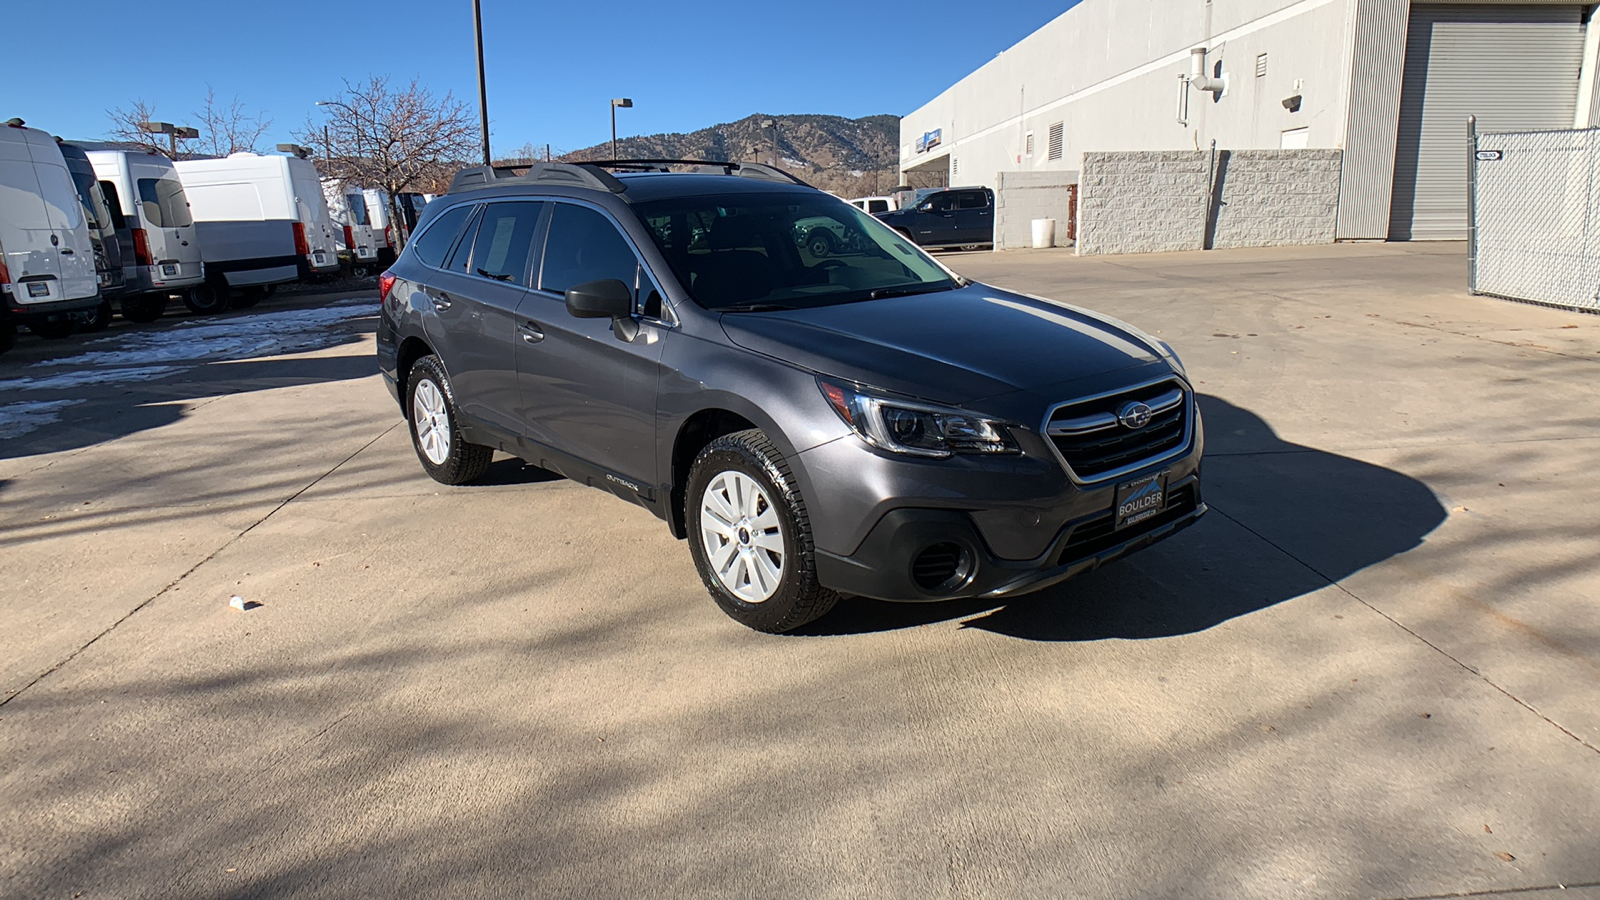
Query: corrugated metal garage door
[{"x": 1514, "y": 67}]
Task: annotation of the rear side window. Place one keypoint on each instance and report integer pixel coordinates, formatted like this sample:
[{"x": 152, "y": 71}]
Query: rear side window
[
  {"x": 877, "y": 206},
  {"x": 163, "y": 203},
  {"x": 972, "y": 200},
  {"x": 584, "y": 246},
  {"x": 505, "y": 237},
  {"x": 434, "y": 242},
  {"x": 114, "y": 202}
]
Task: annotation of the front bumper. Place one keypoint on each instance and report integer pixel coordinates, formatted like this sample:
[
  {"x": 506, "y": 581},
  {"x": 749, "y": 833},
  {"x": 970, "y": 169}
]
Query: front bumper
[{"x": 886, "y": 565}]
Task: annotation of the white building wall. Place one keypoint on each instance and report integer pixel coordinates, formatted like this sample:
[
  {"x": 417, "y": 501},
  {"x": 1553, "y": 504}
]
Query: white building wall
[{"x": 1108, "y": 70}]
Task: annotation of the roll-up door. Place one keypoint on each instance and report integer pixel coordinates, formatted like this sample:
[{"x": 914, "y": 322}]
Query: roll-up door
[{"x": 1514, "y": 67}]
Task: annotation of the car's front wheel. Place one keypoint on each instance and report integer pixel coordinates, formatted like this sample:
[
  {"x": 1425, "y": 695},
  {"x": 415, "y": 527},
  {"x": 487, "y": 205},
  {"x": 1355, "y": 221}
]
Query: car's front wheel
[
  {"x": 436, "y": 427},
  {"x": 750, "y": 535}
]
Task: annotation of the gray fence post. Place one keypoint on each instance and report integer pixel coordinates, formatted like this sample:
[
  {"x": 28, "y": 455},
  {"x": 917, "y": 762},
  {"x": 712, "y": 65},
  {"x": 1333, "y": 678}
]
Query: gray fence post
[{"x": 1472, "y": 205}]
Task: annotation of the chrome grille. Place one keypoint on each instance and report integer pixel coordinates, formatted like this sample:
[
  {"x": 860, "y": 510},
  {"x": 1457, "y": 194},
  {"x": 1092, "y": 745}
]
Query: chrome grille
[{"x": 1093, "y": 442}]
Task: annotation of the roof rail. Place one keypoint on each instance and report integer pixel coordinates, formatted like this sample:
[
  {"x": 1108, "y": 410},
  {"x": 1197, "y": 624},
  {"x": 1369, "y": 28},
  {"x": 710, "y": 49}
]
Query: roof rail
[
  {"x": 474, "y": 177},
  {"x": 702, "y": 167}
]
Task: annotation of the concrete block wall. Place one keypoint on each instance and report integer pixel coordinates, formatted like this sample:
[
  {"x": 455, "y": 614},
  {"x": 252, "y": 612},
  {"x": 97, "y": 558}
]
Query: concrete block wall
[
  {"x": 1021, "y": 197},
  {"x": 1276, "y": 197},
  {"x": 1160, "y": 201},
  {"x": 1142, "y": 201}
]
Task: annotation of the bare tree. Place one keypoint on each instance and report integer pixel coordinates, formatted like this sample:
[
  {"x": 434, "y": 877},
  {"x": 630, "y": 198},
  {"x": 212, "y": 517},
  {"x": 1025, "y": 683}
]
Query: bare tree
[
  {"x": 398, "y": 139},
  {"x": 125, "y": 127},
  {"x": 229, "y": 129}
]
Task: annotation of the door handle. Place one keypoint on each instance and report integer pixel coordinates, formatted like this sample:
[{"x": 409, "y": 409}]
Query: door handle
[
  {"x": 531, "y": 333},
  {"x": 66, "y": 251},
  {"x": 441, "y": 302}
]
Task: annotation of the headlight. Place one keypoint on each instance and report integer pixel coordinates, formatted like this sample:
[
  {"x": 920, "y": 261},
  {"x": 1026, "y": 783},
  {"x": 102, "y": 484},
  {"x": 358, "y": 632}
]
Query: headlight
[{"x": 914, "y": 428}]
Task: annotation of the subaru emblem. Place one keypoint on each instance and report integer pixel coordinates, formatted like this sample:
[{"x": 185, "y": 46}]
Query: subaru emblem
[{"x": 1135, "y": 415}]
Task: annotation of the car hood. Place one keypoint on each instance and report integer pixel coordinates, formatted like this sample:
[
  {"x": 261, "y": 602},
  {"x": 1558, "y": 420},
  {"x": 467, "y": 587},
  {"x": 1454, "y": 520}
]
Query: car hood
[{"x": 947, "y": 347}]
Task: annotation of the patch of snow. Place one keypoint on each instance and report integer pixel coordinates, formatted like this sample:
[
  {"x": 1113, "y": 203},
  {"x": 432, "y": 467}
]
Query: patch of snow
[
  {"x": 793, "y": 163},
  {"x": 17, "y": 419},
  {"x": 241, "y": 337},
  {"x": 84, "y": 377}
]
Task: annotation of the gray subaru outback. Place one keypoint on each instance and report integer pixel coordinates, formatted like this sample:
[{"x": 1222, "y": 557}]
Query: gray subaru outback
[{"x": 818, "y": 422}]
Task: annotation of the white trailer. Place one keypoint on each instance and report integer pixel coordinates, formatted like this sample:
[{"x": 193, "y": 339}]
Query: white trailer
[
  {"x": 262, "y": 221},
  {"x": 46, "y": 256}
]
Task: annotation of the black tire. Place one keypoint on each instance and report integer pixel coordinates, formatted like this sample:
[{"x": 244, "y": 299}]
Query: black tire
[
  {"x": 52, "y": 329},
  {"x": 459, "y": 462},
  {"x": 206, "y": 299},
  {"x": 248, "y": 297},
  {"x": 820, "y": 243},
  {"x": 144, "y": 309},
  {"x": 97, "y": 319},
  {"x": 798, "y": 597}
]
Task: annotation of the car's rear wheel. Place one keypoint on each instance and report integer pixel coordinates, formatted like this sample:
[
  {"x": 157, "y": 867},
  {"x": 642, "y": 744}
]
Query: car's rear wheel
[
  {"x": 8, "y": 336},
  {"x": 750, "y": 535},
  {"x": 436, "y": 427},
  {"x": 206, "y": 299},
  {"x": 52, "y": 329},
  {"x": 96, "y": 319}
]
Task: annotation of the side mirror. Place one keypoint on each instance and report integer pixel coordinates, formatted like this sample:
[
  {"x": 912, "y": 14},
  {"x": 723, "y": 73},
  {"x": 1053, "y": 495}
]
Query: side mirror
[{"x": 607, "y": 298}]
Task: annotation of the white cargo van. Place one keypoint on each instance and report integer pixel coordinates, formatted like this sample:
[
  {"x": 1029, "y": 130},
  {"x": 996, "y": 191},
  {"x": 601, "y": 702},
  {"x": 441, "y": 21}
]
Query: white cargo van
[
  {"x": 164, "y": 258},
  {"x": 382, "y": 227},
  {"x": 261, "y": 221},
  {"x": 348, "y": 204},
  {"x": 46, "y": 256}
]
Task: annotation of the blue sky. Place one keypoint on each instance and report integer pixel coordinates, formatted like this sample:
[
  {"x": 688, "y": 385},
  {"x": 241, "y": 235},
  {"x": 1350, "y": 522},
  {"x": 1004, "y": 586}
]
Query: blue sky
[{"x": 552, "y": 67}]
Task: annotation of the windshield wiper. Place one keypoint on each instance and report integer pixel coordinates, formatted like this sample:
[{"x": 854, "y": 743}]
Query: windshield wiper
[
  {"x": 488, "y": 274},
  {"x": 754, "y": 307},
  {"x": 907, "y": 291}
]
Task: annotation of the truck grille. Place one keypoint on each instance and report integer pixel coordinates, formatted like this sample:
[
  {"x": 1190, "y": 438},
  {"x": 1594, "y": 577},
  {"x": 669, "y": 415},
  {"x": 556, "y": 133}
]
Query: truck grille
[{"x": 1094, "y": 443}]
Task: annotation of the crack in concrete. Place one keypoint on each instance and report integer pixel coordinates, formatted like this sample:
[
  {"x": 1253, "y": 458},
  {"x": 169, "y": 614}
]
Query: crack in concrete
[
  {"x": 1400, "y": 625},
  {"x": 1498, "y": 892},
  {"x": 192, "y": 569}
]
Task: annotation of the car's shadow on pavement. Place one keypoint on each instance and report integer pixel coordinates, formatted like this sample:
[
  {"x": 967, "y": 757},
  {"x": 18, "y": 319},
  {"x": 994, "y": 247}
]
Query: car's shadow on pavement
[{"x": 1285, "y": 520}]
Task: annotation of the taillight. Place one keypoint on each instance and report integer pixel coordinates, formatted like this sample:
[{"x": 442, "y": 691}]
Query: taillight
[
  {"x": 141, "y": 248},
  {"x": 5, "y": 275},
  {"x": 388, "y": 235},
  {"x": 385, "y": 285},
  {"x": 349, "y": 238},
  {"x": 300, "y": 245}
]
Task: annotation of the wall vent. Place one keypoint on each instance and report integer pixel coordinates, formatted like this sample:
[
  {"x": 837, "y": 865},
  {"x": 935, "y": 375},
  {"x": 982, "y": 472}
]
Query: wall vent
[
  {"x": 1055, "y": 141},
  {"x": 1261, "y": 65}
]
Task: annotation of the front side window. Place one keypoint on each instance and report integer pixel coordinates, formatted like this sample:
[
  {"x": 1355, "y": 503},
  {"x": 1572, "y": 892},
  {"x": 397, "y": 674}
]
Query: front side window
[
  {"x": 163, "y": 203},
  {"x": 584, "y": 246},
  {"x": 939, "y": 203},
  {"x": 434, "y": 242},
  {"x": 505, "y": 237},
  {"x": 784, "y": 250}
]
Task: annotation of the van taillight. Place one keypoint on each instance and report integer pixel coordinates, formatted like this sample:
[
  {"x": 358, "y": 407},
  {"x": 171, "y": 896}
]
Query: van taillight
[
  {"x": 5, "y": 274},
  {"x": 141, "y": 248},
  {"x": 385, "y": 285},
  {"x": 300, "y": 245},
  {"x": 349, "y": 238},
  {"x": 388, "y": 235}
]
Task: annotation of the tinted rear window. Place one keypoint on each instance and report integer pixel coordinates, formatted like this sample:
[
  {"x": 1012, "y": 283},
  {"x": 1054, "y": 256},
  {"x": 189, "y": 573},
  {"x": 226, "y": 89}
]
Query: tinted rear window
[
  {"x": 358, "y": 209},
  {"x": 434, "y": 242},
  {"x": 162, "y": 202}
]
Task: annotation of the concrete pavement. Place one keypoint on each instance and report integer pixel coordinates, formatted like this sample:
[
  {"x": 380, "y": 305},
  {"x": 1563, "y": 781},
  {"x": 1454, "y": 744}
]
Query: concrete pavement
[{"x": 1373, "y": 671}]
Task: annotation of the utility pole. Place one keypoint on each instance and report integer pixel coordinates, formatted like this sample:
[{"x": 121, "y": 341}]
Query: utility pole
[
  {"x": 625, "y": 103},
  {"x": 483, "y": 88},
  {"x": 772, "y": 138}
]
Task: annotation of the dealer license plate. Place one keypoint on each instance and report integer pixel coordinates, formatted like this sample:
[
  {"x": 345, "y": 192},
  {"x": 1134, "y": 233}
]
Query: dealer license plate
[
  {"x": 318, "y": 257},
  {"x": 1141, "y": 499},
  {"x": 38, "y": 289},
  {"x": 169, "y": 270}
]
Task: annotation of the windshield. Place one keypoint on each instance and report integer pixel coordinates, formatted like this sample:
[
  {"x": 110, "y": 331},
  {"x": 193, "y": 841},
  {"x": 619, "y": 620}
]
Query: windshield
[{"x": 784, "y": 251}]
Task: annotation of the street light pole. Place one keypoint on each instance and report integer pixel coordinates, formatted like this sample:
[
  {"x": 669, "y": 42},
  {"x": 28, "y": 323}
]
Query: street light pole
[
  {"x": 483, "y": 88},
  {"x": 772, "y": 138},
  {"x": 625, "y": 103}
]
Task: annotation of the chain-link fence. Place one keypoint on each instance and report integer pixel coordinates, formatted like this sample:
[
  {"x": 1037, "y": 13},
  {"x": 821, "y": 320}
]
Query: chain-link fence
[{"x": 1534, "y": 209}]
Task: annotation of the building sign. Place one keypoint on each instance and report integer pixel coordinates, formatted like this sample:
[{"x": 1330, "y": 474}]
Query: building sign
[
  {"x": 1489, "y": 155},
  {"x": 929, "y": 140}
]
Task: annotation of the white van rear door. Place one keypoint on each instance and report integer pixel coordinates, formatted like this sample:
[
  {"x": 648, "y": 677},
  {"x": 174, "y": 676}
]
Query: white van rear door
[
  {"x": 74, "y": 249},
  {"x": 25, "y": 233}
]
